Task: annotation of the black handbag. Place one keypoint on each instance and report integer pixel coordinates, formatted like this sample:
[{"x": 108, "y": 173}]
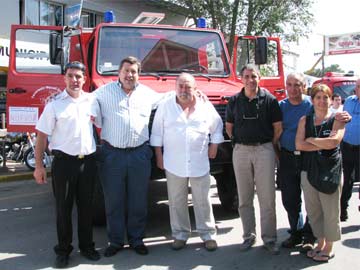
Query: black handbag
[{"x": 324, "y": 173}]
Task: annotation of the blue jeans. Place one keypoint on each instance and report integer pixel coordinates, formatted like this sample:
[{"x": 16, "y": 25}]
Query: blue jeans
[{"x": 125, "y": 175}]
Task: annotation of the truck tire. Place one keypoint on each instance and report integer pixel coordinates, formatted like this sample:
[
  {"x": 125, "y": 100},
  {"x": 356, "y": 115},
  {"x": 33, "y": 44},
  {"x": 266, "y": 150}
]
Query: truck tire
[
  {"x": 99, "y": 216},
  {"x": 227, "y": 191}
]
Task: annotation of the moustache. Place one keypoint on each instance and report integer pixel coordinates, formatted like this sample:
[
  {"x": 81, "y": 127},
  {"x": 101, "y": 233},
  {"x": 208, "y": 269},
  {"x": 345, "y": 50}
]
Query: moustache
[{"x": 184, "y": 95}]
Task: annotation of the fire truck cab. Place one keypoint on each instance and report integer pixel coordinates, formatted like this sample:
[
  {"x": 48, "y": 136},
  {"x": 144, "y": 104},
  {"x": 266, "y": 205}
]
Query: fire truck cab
[
  {"x": 165, "y": 51},
  {"x": 339, "y": 83}
]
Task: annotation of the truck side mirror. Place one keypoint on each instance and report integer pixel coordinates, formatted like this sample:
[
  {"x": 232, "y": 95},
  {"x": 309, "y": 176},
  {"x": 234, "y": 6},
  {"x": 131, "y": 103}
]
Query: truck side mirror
[
  {"x": 55, "y": 48},
  {"x": 261, "y": 50}
]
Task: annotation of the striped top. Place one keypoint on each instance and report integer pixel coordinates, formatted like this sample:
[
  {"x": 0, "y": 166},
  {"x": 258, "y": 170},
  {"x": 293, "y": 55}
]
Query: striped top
[{"x": 124, "y": 119}]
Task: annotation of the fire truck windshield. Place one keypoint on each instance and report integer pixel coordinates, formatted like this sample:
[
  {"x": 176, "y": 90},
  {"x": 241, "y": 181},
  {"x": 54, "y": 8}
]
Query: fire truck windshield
[
  {"x": 162, "y": 51},
  {"x": 344, "y": 89}
]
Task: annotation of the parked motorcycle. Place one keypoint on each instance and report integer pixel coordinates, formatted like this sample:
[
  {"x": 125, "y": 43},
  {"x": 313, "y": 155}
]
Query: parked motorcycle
[
  {"x": 14, "y": 147},
  {"x": 20, "y": 147},
  {"x": 29, "y": 155}
]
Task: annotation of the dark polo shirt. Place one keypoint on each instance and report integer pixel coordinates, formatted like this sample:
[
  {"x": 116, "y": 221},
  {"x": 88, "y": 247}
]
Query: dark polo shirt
[{"x": 253, "y": 119}]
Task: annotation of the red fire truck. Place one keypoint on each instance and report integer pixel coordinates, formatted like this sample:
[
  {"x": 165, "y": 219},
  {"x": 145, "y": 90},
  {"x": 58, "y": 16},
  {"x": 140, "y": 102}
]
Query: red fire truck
[
  {"x": 339, "y": 83},
  {"x": 38, "y": 55}
]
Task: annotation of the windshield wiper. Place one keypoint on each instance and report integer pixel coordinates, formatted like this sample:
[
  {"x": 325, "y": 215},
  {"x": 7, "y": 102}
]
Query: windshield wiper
[
  {"x": 202, "y": 75},
  {"x": 157, "y": 76},
  {"x": 174, "y": 70},
  {"x": 110, "y": 71},
  {"x": 191, "y": 71}
]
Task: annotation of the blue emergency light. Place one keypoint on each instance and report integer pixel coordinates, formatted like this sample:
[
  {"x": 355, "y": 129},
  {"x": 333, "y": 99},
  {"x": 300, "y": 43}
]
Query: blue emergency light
[
  {"x": 201, "y": 22},
  {"x": 109, "y": 16}
]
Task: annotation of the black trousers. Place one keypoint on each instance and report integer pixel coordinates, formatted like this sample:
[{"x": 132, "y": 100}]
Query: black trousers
[
  {"x": 351, "y": 164},
  {"x": 290, "y": 185},
  {"x": 73, "y": 181}
]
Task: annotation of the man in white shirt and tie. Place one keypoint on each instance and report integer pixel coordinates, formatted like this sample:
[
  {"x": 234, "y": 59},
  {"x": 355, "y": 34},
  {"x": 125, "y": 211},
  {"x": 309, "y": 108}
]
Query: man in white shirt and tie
[{"x": 186, "y": 132}]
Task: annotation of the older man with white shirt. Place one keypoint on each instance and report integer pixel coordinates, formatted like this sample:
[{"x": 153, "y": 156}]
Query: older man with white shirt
[{"x": 189, "y": 131}]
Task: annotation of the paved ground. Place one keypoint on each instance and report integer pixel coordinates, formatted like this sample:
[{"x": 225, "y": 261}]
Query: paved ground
[
  {"x": 27, "y": 235},
  {"x": 14, "y": 171}
]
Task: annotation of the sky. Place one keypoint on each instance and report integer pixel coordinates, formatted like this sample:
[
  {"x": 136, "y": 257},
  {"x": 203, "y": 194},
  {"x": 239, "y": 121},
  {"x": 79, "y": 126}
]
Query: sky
[{"x": 332, "y": 18}]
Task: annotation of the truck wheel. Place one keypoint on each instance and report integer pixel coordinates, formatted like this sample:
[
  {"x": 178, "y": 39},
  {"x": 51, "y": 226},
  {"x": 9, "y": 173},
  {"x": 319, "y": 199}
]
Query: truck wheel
[
  {"x": 226, "y": 186},
  {"x": 99, "y": 217}
]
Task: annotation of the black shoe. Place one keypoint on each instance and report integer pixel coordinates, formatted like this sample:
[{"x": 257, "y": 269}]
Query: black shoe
[
  {"x": 111, "y": 251},
  {"x": 292, "y": 241},
  {"x": 61, "y": 261},
  {"x": 141, "y": 249},
  {"x": 344, "y": 215},
  {"x": 90, "y": 254}
]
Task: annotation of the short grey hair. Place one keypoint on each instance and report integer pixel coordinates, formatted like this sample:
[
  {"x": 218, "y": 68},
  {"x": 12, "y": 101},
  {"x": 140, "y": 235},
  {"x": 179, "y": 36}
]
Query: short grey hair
[
  {"x": 249, "y": 67},
  {"x": 298, "y": 76}
]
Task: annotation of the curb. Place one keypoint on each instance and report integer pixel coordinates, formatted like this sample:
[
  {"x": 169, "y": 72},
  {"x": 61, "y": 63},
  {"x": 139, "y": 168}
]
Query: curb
[{"x": 18, "y": 176}]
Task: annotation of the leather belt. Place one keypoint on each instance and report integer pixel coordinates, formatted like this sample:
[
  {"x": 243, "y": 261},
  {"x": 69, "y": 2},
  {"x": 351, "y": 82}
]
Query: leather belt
[
  {"x": 62, "y": 155},
  {"x": 252, "y": 143},
  {"x": 123, "y": 149},
  {"x": 295, "y": 153}
]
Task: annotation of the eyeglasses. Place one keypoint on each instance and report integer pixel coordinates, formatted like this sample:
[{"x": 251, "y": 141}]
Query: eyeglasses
[{"x": 76, "y": 65}]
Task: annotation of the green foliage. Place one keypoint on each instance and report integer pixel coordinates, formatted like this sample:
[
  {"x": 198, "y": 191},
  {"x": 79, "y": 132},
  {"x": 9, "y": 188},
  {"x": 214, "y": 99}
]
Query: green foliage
[
  {"x": 319, "y": 73},
  {"x": 289, "y": 19}
]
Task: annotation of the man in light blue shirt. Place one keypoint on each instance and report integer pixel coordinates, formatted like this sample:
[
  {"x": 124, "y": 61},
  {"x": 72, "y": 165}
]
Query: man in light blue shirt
[
  {"x": 350, "y": 148},
  {"x": 125, "y": 156}
]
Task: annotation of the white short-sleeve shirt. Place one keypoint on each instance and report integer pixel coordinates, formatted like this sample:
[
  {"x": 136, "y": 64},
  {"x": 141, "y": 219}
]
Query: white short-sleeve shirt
[{"x": 69, "y": 122}]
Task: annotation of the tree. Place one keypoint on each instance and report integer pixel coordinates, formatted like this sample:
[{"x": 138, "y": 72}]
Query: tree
[
  {"x": 289, "y": 19},
  {"x": 319, "y": 73}
]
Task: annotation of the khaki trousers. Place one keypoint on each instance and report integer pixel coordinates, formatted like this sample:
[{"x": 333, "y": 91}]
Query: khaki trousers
[
  {"x": 323, "y": 210},
  {"x": 254, "y": 167},
  {"x": 178, "y": 206}
]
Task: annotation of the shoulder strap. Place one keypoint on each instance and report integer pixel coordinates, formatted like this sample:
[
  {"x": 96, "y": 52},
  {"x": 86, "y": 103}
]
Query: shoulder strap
[{"x": 309, "y": 126}]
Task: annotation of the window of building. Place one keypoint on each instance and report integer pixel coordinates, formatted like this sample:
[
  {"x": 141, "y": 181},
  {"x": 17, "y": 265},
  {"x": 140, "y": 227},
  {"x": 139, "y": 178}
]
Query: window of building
[
  {"x": 41, "y": 12},
  {"x": 91, "y": 19}
]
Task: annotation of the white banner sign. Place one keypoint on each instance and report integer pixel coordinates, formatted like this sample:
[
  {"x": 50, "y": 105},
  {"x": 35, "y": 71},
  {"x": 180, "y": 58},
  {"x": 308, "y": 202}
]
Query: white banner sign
[
  {"x": 27, "y": 53},
  {"x": 342, "y": 44},
  {"x": 26, "y": 116}
]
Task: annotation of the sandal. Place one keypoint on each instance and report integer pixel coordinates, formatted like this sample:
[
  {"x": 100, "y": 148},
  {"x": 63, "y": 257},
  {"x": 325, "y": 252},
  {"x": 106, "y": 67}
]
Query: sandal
[
  {"x": 312, "y": 253},
  {"x": 321, "y": 257}
]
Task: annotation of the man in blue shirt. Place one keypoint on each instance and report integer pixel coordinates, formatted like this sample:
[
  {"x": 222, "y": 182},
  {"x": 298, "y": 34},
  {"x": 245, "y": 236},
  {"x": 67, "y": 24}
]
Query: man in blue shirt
[
  {"x": 351, "y": 150},
  {"x": 293, "y": 108}
]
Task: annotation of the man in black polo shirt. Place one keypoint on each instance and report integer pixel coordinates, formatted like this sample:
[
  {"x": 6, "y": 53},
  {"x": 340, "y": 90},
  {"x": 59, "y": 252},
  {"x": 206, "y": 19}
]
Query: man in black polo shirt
[{"x": 254, "y": 123}]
